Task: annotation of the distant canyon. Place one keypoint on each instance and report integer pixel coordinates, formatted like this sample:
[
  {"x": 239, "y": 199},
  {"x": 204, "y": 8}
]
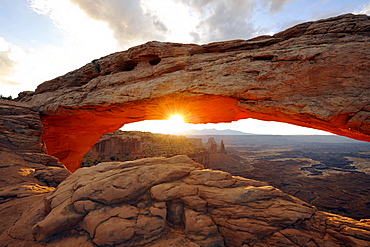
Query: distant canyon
[{"x": 330, "y": 172}]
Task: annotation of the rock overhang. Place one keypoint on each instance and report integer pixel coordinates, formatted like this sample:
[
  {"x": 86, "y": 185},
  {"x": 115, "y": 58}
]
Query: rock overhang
[{"x": 314, "y": 75}]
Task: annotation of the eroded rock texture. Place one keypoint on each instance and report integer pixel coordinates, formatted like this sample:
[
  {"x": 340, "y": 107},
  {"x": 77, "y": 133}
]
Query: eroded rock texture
[
  {"x": 175, "y": 202},
  {"x": 26, "y": 171},
  {"x": 315, "y": 74}
]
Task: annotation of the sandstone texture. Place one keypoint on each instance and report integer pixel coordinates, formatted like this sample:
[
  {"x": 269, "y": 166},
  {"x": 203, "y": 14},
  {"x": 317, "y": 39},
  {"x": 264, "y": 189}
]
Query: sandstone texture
[
  {"x": 315, "y": 74},
  {"x": 176, "y": 202},
  {"x": 27, "y": 173}
]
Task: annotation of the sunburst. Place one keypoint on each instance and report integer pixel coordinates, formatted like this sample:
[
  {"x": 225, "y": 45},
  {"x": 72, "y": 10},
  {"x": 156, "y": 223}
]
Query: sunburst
[{"x": 175, "y": 124}]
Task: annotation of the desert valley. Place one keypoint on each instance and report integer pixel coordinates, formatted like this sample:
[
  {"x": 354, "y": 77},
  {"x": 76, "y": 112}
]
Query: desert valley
[
  {"x": 68, "y": 177},
  {"x": 329, "y": 172}
]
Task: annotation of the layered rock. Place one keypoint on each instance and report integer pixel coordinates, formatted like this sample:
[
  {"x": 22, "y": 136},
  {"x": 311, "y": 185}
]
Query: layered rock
[
  {"x": 175, "y": 202},
  {"x": 314, "y": 74},
  {"x": 26, "y": 171}
]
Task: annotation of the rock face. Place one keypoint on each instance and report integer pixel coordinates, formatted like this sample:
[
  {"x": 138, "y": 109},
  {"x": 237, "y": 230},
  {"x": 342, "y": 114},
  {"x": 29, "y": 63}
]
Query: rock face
[
  {"x": 214, "y": 157},
  {"x": 314, "y": 74},
  {"x": 26, "y": 171},
  {"x": 212, "y": 145},
  {"x": 175, "y": 202}
]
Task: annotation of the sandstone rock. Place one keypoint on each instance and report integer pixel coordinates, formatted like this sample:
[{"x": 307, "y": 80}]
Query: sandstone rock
[
  {"x": 211, "y": 145},
  {"x": 23, "y": 190},
  {"x": 179, "y": 209},
  {"x": 173, "y": 238},
  {"x": 114, "y": 231},
  {"x": 299, "y": 76},
  {"x": 201, "y": 229},
  {"x": 222, "y": 147},
  {"x": 27, "y": 173},
  {"x": 109, "y": 188},
  {"x": 23, "y": 153},
  {"x": 175, "y": 214},
  {"x": 324, "y": 229}
]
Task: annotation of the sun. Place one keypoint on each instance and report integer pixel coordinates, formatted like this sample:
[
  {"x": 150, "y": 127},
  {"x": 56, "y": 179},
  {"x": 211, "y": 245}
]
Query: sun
[
  {"x": 176, "y": 119},
  {"x": 175, "y": 124}
]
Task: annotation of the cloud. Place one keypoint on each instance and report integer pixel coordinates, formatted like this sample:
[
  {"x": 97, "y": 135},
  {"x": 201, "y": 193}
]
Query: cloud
[
  {"x": 126, "y": 18},
  {"x": 8, "y": 82},
  {"x": 222, "y": 20},
  {"x": 134, "y": 22},
  {"x": 275, "y": 5},
  {"x": 234, "y": 19},
  {"x": 365, "y": 10},
  {"x": 6, "y": 64}
]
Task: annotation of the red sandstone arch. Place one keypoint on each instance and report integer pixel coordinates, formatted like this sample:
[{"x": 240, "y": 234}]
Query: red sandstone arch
[{"x": 314, "y": 75}]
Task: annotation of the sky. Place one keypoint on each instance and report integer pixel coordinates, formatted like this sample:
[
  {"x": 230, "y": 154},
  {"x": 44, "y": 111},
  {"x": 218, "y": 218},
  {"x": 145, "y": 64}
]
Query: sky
[{"x": 43, "y": 39}]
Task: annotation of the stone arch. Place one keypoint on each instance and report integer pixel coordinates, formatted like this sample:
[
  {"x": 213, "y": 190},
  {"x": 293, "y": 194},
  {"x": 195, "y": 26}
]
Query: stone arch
[{"x": 315, "y": 75}]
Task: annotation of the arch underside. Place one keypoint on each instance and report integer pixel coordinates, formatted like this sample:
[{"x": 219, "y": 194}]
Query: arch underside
[
  {"x": 314, "y": 75},
  {"x": 70, "y": 135}
]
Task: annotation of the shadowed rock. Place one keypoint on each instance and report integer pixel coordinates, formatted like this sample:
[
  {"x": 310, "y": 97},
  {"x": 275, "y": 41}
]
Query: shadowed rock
[{"x": 27, "y": 173}]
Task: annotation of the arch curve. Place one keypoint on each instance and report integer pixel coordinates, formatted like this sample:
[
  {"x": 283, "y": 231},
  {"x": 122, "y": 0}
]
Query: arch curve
[{"x": 315, "y": 75}]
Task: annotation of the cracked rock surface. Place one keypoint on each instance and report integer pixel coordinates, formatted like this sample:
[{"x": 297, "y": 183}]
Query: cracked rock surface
[{"x": 176, "y": 202}]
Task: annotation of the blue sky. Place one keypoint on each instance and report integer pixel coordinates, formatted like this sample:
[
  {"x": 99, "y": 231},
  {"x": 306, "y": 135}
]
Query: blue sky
[{"x": 43, "y": 39}]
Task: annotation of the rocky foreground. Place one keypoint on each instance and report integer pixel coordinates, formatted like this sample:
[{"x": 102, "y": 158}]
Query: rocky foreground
[{"x": 147, "y": 202}]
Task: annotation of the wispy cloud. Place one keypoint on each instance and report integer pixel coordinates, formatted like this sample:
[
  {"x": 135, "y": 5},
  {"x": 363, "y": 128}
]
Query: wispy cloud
[
  {"x": 275, "y": 5},
  {"x": 225, "y": 20},
  {"x": 222, "y": 20},
  {"x": 365, "y": 10},
  {"x": 126, "y": 18},
  {"x": 83, "y": 39},
  {"x": 133, "y": 23},
  {"x": 7, "y": 65}
]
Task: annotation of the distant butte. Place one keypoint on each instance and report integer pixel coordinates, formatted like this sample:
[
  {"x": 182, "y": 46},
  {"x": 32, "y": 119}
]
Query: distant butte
[{"x": 315, "y": 74}]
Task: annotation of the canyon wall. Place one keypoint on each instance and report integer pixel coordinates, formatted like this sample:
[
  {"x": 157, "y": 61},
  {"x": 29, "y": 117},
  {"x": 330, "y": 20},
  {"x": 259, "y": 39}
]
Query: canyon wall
[
  {"x": 131, "y": 145},
  {"x": 315, "y": 74}
]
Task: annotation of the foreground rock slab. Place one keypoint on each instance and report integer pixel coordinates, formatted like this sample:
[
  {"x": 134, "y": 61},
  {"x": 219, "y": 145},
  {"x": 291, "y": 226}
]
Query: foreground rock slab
[
  {"x": 315, "y": 74},
  {"x": 176, "y": 202}
]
